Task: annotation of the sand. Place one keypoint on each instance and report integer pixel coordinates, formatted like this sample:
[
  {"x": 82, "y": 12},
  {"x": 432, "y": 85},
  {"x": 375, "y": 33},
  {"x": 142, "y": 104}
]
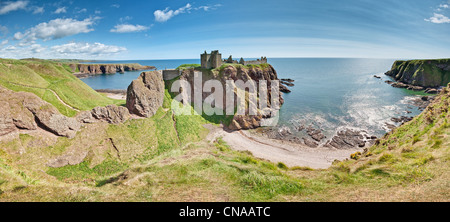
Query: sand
[{"x": 279, "y": 151}]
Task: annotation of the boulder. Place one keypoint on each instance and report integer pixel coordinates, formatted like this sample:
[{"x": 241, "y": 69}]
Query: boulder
[
  {"x": 242, "y": 122},
  {"x": 310, "y": 143},
  {"x": 111, "y": 114},
  {"x": 415, "y": 88},
  {"x": 347, "y": 138},
  {"x": 145, "y": 95},
  {"x": 431, "y": 91},
  {"x": 399, "y": 85}
]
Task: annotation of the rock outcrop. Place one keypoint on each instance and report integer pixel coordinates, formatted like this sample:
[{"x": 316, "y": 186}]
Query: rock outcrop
[
  {"x": 111, "y": 114},
  {"x": 95, "y": 69},
  {"x": 145, "y": 95},
  {"x": 26, "y": 111},
  {"x": 347, "y": 139},
  {"x": 244, "y": 73},
  {"x": 22, "y": 110},
  {"x": 423, "y": 73}
]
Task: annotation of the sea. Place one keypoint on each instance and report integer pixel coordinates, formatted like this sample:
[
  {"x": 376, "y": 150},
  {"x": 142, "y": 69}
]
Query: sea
[{"x": 330, "y": 94}]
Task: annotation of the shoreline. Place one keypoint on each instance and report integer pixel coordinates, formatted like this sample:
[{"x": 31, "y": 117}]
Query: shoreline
[
  {"x": 275, "y": 151},
  {"x": 113, "y": 93}
]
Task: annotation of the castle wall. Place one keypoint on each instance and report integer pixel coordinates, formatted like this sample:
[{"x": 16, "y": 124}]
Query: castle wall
[{"x": 170, "y": 74}]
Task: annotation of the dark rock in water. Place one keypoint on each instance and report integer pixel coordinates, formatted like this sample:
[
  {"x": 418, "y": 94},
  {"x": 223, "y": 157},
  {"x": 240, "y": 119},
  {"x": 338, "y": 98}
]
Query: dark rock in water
[
  {"x": 378, "y": 77},
  {"x": 421, "y": 102},
  {"x": 287, "y": 83},
  {"x": 287, "y": 80},
  {"x": 348, "y": 138},
  {"x": 146, "y": 94},
  {"x": 431, "y": 91},
  {"x": 415, "y": 88},
  {"x": 399, "y": 85},
  {"x": 300, "y": 128},
  {"x": 310, "y": 143},
  {"x": 315, "y": 134},
  {"x": 390, "y": 126},
  {"x": 284, "y": 131},
  {"x": 389, "y": 82},
  {"x": 284, "y": 89},
  {"x": 402, "y": 119}
]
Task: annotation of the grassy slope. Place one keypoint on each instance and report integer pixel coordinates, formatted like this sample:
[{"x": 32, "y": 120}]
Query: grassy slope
[
  {"x": 159, "y": 163},
  {"x": 40, "y": 76},
  {"x": 424, "y": 68}
]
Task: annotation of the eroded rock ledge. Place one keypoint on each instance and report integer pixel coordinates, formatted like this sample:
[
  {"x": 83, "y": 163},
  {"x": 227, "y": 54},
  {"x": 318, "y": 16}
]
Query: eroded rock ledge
[
  {"x": 26, "y": 111},
  {"x": 85, "y": 70}
]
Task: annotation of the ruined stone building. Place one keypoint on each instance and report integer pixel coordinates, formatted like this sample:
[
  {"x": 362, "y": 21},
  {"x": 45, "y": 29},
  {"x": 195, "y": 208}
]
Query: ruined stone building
[
  {"x": 211, "y": 61},
  {"x": 214, "y": 60}
]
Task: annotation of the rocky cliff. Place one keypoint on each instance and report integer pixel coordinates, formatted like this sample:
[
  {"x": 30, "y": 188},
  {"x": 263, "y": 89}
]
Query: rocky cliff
[
  {"x": 239, "y": 72},
  {"x": 23, "y": 111},
  {"x": 146, "y": 94},
  {"x": 95, "y": 69},
  {"x": 424, "y": 73}
]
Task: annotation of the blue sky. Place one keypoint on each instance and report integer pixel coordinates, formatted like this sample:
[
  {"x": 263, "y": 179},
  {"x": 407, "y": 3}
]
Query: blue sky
[{"x": 181, "y": 29}]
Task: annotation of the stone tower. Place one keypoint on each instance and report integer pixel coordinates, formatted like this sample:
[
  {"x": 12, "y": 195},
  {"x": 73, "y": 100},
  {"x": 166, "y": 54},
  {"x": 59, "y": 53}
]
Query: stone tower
[{"x": 211, "y": 61}]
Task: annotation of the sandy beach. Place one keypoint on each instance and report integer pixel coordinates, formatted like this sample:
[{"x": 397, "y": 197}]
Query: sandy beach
[{"x": 279, "y": 151}]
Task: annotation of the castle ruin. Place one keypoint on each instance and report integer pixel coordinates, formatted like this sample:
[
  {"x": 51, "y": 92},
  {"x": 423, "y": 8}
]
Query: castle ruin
[
  {"x": 214, "y": 60},
  {"x": 211, "y": 61}
]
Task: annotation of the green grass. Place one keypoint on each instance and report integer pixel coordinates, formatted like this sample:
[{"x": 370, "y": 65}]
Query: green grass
[
  {"x": 39, "y": 76},
  {"x": 188, "y": 66},
  {"x": 82, "y": 171},
  {"x": 424, "y": 72}
]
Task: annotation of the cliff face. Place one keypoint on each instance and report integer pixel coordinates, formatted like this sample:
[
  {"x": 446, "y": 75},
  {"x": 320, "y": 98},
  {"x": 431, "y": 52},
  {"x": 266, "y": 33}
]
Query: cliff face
[
  {"x": 425, "y": 73},
  {"x": 26, "y": 112},
  {"x": 237, "y": 72},
  {"x": 146, "y": 94},
  {"x": 94, "y": 69}
]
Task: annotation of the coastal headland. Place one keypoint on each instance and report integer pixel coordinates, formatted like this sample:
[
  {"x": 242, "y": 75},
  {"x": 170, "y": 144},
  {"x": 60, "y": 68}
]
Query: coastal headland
[{"x": 59, "y": 135}]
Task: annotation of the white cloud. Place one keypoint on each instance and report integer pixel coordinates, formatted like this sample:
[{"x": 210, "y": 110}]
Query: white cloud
[
  {"x": 4, "y": 42},
  {"x": 124, "y": 28},
  {"x": 438, "y": 19},
  {"x": 97, "y": 12},
  {"x": 55, "y": 29},
  {"x": 208, "y": 7},
  {"x": 86, "y": 49},
  {"x": 444, "y": 6},
  {"x": 82, "y": 10},
  {"x": 60, "y": 10},
  {"x": 38, "y": 10},
  {"x": 13, "y": 6},
  {"x": 115, "y": 6},
  {"x": 33, "y": 50},
  {"x": 124, "y": 19},
  {"x": 166, "y": 14},
  {"x": 69, "y": 50}
]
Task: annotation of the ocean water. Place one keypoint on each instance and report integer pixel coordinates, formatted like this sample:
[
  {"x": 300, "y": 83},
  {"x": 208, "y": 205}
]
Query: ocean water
[{"x": 329, "y": 94}]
